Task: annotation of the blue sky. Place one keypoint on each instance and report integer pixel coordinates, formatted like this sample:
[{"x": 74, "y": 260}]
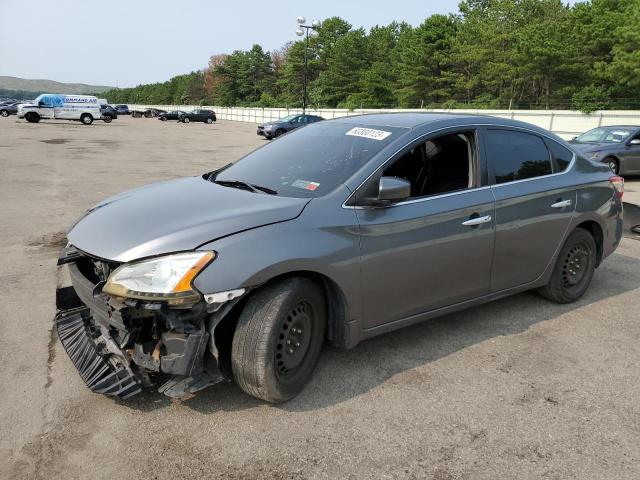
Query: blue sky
[{"x": 128, "y": 42}]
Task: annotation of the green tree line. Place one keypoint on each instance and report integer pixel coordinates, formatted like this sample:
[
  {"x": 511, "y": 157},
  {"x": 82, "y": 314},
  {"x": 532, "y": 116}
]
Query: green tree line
[{"x": 490, "y": 54}]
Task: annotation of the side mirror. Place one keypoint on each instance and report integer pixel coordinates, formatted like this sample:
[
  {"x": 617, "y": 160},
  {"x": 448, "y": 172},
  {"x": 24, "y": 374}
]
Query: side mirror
[
  {"x": 40, "y": 104},
  {"x": 390, "y": 190},
  {"x": 635, "y": 141},
  {"x": 574, "y": 138}
]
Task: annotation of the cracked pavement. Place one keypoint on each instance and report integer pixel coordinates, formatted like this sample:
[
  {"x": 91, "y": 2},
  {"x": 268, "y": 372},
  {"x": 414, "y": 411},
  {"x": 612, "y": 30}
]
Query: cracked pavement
[{"x": 518, "y": 388}]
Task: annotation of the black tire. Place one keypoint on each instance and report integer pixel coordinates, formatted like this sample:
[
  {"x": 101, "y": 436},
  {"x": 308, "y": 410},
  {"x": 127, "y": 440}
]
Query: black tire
[
  {"x": 163, "y": 119},
  {"x": 4, "y": 113},
  {"x": 208, "y": 121},
  {"x": 86, "y": 119},
  {"x": 185, "y": 120},
  {"x": 32, "y": 117},
  {"x": 107, "y": 119},
  {"x": 279, "y": 132},
  {"x": 574, "y": 268},
  {"x": 278, "y": 339},
  {"x": 613, "y": 164}
]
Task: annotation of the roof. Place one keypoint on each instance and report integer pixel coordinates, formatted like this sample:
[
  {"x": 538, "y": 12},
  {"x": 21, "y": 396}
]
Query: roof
[
  {"x": 424, "y": 120},
  {"x": 411, "y": 119}
]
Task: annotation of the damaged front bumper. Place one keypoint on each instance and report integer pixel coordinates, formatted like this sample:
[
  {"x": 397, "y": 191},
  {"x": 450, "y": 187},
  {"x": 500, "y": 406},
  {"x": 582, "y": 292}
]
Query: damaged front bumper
[{"x": 121, "y": 346}]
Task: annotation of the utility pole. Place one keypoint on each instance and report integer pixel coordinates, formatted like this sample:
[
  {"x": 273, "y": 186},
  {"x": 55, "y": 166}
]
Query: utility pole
[{"x": 306, "y": 30}]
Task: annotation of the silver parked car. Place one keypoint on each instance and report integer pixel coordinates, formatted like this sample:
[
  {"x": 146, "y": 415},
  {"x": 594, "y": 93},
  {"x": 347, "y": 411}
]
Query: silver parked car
[
  {"x": 618, "y": 146},
  {"x": 337, "y": 232}
]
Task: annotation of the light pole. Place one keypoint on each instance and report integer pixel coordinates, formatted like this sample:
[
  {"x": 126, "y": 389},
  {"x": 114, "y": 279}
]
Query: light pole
[{"x": 306, "y": 30}]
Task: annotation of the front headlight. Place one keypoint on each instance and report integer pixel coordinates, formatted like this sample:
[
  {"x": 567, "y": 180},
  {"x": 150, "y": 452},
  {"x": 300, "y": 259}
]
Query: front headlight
[{"x": 165, "y": 278}]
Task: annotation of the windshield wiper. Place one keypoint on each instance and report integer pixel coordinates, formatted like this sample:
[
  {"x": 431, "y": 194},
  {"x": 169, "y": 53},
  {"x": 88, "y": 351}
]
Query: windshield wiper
[{"x": 245, "y": 186}]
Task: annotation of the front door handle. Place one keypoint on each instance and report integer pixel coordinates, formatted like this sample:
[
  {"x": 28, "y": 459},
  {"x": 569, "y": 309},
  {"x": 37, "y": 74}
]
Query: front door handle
[
  {"x": 472, "y": 222},
  {"x": 561, "y": 204}
]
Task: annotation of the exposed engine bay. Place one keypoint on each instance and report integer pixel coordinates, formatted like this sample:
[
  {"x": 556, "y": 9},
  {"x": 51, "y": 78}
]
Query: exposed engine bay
[{"x": 121, "y": 345}]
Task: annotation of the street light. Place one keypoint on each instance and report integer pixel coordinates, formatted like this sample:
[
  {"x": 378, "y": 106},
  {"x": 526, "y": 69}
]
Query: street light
[{"x": 306, "y": 30}]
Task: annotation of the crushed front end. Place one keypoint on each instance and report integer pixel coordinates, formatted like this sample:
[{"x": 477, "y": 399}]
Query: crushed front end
[{"x": 121, "y": 345}]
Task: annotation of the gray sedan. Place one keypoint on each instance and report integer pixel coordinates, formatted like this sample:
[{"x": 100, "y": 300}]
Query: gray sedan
[
  {"x": 271, "y": 130},
  {"x": 618, "y": 146},
  {"x": 335, "y": 233}
]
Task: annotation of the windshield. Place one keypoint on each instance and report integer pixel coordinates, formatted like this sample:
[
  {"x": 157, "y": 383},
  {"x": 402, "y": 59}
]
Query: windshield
[
  {"x": 605, "y": 135},
  {"x": 311, "y": 161},
  {"x": 288, "y": 118}
]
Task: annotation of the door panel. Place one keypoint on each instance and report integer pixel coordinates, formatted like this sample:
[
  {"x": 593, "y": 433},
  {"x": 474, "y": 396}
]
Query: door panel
[
  {"x": 529, "y": 229},
  {"x": 630, "y": 159},
  {"x": 418, "y": 256}
]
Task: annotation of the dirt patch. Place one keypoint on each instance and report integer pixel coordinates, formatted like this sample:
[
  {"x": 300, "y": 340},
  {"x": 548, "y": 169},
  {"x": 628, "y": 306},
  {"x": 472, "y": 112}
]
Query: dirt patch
[
  {"x": 54, "y": 241},
  {"x": 56, "y": 141}
]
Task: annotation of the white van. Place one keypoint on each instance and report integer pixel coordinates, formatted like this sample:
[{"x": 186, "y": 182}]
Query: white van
[{"x": 84, "y": 108}]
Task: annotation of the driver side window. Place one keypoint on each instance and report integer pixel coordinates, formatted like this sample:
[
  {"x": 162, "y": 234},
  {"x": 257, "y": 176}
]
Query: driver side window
[{"x": 439, "y": 165}]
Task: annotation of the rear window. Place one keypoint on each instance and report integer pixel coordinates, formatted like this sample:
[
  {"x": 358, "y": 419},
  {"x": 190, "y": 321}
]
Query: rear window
[
  {"x": 517, "y": 155},
  {"x": 312, "y": 161},
  {"x": 561, "y": 156}
]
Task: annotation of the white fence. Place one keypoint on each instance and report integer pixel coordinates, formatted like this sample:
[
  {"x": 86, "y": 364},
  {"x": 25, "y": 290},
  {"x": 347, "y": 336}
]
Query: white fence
[{"x": 565, "y": 123}]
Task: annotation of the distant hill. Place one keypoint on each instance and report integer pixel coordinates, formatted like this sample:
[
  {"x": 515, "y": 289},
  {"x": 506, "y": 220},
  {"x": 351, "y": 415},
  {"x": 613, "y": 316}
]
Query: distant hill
[{"x": 49, "y": 86}]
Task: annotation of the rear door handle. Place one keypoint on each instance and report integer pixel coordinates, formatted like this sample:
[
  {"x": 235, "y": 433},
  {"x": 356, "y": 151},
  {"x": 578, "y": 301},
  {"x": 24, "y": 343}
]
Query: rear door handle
[
  {"x": 472, "y": 222},
  {"x": 561, "y": 204}
]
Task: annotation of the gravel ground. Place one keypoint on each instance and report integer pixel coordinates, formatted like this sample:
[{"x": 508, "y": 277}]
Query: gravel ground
[{"x": 519, "y": 388}]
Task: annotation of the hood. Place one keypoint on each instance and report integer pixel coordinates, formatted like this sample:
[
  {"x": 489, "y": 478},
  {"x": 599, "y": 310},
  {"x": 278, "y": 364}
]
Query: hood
[
  {"x": 268, "y": 124},
  {"x": 175, "y": 215}
]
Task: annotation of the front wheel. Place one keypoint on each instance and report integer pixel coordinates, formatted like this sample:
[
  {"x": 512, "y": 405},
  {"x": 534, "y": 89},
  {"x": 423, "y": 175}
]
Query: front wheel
[
  {"x": 107, "y": 119},
  {"x": 280, "y": 132},
  {"x": 86, "y": 119},
  {"x": 185, "y": 119},
  {"x": 209, "y": 121},
  {"x": 278, "y": 339},
  {"x": 574, "y": 268},
  {"x": 613, "y": 165},
  {"x": 32, "y": 117},
  {"x": 163, "y": 119}
]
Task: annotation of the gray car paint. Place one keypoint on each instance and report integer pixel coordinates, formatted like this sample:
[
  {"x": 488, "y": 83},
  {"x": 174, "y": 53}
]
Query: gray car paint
[
  {"x": 385, "y": 267},
  {"x": 627, "y": 155}
]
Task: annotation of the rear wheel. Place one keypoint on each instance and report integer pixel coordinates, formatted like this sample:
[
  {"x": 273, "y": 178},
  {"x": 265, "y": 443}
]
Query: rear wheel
[
  {"x": 574, "y": 268},
  {"x": 209, "y": 121},
  {"x": 107, "y": 119},
  {"x": 185, "y": 119},
  {"x": 278, "y": 339},
  {"x": 32, "y": 117},
  {"x": 86, "y": 119},
  {"x": 613, "y": 165},
  {"x": 4, "y": 113}
]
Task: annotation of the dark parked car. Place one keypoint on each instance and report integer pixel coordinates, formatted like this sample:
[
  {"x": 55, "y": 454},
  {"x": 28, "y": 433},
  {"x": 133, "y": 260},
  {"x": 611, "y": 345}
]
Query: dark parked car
[
  {"x": 617, "y": 146},
  {"x": 9, "y": 109},
  {"x": 290, "y": 122},
  {"x": 337, "y": 232},
  {"x": 108, "y": 113},
  {"x": 172, "y": 115},
  {"x": 206, "y": 116},
  {"x": 122, "y": 109}
]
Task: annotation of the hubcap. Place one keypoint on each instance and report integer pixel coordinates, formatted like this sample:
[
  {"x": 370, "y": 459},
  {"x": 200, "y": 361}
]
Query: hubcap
[
  {"x": 294, "y": 339},
  {"x": 575, "y": 265},
  {"x": 612, "y": 166}
]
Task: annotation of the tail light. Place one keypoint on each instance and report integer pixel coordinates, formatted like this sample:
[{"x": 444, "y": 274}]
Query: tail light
[{"x": 618, "y": 184}]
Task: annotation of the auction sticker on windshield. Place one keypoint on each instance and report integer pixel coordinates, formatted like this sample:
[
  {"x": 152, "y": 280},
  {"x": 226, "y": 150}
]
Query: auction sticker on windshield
[
  {"x": 371, "y": 133},
  {"x": 305, "y": 184}
]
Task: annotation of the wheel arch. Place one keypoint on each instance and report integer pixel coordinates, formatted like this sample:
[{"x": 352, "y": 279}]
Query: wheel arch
[
  {"x": 614, "y": 157},
  {"x": 337, "y": 310},
  {"x": 596, "y": 231}
]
